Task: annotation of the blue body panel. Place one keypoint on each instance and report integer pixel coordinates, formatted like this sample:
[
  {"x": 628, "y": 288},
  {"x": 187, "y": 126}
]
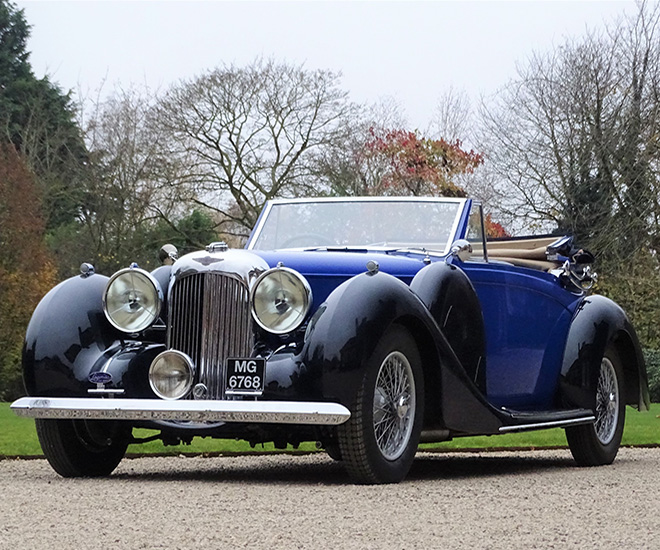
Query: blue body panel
[
  {"x": 527, "y": 314},
  {"x": 325, "y": 271}
]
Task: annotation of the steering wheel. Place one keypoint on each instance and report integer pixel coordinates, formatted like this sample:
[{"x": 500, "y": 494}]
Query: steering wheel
[{"x": 308, "y": 239}]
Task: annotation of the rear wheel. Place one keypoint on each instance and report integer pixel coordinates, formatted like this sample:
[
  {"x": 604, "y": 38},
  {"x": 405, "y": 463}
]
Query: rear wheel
[
  {"x": 379, "y": 441},
  {"x": 83, "y": 448},
  {"x": 598, "y": 443}
]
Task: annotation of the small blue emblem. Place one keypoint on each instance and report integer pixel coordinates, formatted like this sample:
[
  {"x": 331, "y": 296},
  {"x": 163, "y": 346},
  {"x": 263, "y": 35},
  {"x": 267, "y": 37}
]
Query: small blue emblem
[{"x": 100, "y": 378}]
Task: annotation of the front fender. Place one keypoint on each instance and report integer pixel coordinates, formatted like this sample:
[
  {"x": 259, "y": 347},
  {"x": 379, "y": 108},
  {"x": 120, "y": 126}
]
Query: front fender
[
  {"x": 67, "y": 334},
  {"x": 128, "y": 365},
  {"x": 346, "y": 329},
  {"x": 451, "y": 299},
  {"x": 597, "y": 323}
]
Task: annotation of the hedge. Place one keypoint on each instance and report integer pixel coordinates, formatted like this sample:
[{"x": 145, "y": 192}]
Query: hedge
[{"x": 652, "y": 357}]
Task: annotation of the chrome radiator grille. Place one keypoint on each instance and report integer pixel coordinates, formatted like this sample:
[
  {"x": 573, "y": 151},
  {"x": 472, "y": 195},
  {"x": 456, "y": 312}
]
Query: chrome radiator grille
[{"x": 209, "y": 320}]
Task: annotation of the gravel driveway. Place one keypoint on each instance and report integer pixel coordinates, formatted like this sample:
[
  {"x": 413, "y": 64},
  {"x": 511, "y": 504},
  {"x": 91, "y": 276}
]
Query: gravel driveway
[{"x": 529, "y": 499}]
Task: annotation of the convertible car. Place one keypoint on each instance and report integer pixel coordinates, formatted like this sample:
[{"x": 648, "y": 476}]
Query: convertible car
[{"x": 367, "y": 325}]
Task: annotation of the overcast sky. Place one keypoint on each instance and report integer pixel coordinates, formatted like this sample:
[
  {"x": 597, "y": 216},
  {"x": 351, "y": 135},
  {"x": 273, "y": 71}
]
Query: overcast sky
[{"x": 411, "y": 51}]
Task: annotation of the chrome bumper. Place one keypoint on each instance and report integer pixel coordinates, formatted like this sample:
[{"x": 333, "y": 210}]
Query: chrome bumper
[{"x": 272, "y": 412}]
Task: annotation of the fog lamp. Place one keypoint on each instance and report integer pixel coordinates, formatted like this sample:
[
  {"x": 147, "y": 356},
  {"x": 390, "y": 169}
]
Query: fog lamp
[{"x": 171, "y": 375}]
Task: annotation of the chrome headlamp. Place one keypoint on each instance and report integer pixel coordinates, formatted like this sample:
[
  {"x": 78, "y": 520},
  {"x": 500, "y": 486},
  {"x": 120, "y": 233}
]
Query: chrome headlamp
[
  {"x": 281, "y": 299},
  {"x": 171, "y": 374},
  {"x": 132, "y": 300}
]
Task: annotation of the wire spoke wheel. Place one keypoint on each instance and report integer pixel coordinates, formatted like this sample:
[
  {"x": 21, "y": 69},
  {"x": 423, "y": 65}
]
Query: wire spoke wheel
[
  {"x": 607, "y": 402},
  {"x": 378, "y": 443},
  {"x": 394, "y": 405},
  {"x": 598, "y": 443}
]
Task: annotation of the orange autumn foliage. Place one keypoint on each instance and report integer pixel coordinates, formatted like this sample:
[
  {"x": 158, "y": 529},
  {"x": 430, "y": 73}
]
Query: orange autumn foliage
[
  {"x": 26, "y": 270},
  {"x": 417, "y": 165},
  {"x": 493, "y": 229}
]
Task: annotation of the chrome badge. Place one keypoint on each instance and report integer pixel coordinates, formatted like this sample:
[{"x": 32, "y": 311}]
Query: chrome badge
[{"x": 100, "y": 378}]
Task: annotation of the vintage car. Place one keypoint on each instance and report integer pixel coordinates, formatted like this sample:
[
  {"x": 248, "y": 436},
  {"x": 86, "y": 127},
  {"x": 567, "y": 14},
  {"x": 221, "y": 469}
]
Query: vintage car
[{"x": 368, "y": 325}]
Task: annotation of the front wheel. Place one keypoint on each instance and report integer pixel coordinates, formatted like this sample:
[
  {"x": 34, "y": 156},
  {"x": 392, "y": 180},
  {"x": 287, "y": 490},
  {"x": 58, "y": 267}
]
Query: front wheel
[
  {"x": 378, "y": 443},
  {"x": 598, "y": 443},
  {"x": 83, "y": 448}
]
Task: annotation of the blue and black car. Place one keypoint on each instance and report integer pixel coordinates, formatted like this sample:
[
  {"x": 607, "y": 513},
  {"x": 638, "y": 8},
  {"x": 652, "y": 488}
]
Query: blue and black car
[{"x": 367, "y": 325}]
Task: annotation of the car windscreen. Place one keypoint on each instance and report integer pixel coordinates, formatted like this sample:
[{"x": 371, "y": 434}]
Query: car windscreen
[{"x": 414, "y": 224}]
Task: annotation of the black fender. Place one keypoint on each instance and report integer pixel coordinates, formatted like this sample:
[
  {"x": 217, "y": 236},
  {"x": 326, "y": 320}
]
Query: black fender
[
  {"x": 346, "y": 328},
  {"x": 128, "y": 364},
  {"x": 451, "y": 299},
  {"x": 67, "y": 335},
  {"x": 597, "y": 323}
]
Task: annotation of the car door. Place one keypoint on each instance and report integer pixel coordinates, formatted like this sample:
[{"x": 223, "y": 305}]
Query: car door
[{"x": 527, "y": 316}]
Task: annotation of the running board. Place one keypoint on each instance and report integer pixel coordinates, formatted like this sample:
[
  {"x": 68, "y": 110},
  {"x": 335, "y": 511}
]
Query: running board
[{"x": 522, "y": 421}]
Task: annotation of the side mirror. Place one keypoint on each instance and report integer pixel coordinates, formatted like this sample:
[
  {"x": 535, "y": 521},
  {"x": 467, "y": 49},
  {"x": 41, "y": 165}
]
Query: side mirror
[
  {"x": 168, "y": 254},
  {"x": 461, "y": 249}
]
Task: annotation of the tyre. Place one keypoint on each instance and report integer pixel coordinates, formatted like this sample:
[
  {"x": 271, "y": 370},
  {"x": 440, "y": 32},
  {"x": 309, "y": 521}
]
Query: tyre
[
  {"x": 333, "y": 452},
  {"x": 82, "y": 448},
  {"x": 598, "y": 443},
  {"x": 378, "y": 443}
]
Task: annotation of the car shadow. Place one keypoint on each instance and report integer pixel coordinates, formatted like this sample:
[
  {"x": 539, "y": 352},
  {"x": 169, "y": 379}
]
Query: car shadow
[
  {"x": 324, "y": 471},
  {"x": 457, "y": 466},
  {"x": 247, "y": 469}
]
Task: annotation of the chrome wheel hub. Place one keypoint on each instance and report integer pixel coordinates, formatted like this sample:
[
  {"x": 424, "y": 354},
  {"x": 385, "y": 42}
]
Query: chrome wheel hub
[
  {"x": 394, "y": 405},
  {"x": 607, "y": 402}
]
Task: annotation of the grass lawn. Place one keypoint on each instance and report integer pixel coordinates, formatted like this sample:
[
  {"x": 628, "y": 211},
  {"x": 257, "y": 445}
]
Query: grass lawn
[{"x": 18, "y": 438}]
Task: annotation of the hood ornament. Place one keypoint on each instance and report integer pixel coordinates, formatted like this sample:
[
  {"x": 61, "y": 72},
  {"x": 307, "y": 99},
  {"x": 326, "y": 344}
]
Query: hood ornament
[{"x": 220, "y": 246}]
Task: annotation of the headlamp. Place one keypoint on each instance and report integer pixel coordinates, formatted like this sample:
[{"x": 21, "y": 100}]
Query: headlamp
[
  {"x": 281, "y": 299},
  {"x": 132, "y": 300}
]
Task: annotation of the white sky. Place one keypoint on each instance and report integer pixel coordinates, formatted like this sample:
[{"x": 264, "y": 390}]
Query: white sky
[{"x": 411, "y": 51}]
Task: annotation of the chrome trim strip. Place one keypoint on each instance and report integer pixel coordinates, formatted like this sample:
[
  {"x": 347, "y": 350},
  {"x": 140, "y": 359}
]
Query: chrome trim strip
[
  {"x": 551, "y": 424},
  {"x": 105, "y": 391},
  {"x": 271, "y": 412},
  {"x": 389, "y": 198}
]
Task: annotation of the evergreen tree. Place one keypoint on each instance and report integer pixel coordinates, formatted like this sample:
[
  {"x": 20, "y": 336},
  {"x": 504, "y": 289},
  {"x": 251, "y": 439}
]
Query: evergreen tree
[{"x": 39, "y": 120}]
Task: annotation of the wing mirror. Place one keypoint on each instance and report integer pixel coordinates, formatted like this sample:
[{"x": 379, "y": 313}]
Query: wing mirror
[
  {"x": 168, "y": 254},
  {"x": 461, "y": 249}
]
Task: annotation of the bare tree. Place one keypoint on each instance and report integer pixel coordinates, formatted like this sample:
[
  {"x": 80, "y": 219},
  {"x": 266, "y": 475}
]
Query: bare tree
[
  {"x": 574, "y": 143},
  {"x": 122, "y": 196},
  {"x": 572, "y": 138},
  {"x": 452, "y": 118},
  {"x": 248, "y": 134},
  {"x": 347, "y": 168}
]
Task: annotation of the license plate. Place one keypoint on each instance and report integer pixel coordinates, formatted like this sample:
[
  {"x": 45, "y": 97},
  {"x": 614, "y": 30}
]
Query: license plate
[{"x": 245, "y": 376}]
